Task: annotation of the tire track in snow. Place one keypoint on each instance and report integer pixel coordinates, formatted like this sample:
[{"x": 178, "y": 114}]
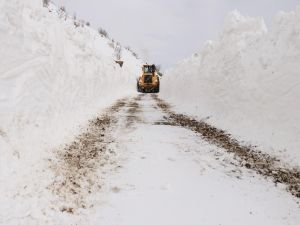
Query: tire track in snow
[
  {"x": 133, "y": 109},
  {"x": 79, "y": 165},
  {"x": 248, "y": 156},
  {"x": 76, "y": 165}
]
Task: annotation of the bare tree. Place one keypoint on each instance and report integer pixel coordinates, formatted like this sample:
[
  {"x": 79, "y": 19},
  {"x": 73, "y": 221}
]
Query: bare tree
[
  {"x": 74, "y": 16},
  {"x": 63, "y": 9},
  {"x": 128, "y": 48},
  {"x": 112, "y": 45},
  {"x": 62, "y": 12},
  {"x": 75, "y": 21},
  {"x": 46, "y": 3},
  {"x": 103, "y": 32},
  {"x": 76, "y": 24},
  {"x": 118, "y": 52},
  {"x": 135, "y": 54}
]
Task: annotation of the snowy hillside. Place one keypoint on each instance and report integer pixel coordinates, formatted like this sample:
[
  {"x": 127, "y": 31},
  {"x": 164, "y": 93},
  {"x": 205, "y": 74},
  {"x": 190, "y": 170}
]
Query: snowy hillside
[
  {"x": 53, "y": 78},
  {"x": 247, "y": 82}
]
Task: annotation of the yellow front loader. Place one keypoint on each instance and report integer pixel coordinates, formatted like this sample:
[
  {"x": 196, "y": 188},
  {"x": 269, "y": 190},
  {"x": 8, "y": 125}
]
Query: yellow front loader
[{"x": 149, "y": 80}]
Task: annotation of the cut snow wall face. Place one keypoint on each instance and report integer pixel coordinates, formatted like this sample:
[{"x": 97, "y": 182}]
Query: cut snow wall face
[
  {"x": 237, "y": 24},
  {"x": 12, "y": 11},
  {"x": 247, "y": 81},
  {"x": 11, "y": 15},
  {"x": 54, "y": 76}
]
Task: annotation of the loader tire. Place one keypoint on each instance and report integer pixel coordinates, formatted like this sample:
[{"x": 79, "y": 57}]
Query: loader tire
[{"x": 157, "y": 89}]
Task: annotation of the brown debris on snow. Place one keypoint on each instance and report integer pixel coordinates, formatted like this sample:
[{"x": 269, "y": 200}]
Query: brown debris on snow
[
  {"x": 248, "y": 156},
  {"x": 76, "y": 165},
  {"x": 133, "y": 109},
  {"x": 162, "y": 104}
]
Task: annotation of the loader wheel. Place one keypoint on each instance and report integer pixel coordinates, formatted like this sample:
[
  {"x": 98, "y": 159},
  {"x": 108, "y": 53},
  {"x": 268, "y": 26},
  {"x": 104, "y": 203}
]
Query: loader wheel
[
  {"x": 158, "y": 86},
  {"x": 157, "y": 89}
]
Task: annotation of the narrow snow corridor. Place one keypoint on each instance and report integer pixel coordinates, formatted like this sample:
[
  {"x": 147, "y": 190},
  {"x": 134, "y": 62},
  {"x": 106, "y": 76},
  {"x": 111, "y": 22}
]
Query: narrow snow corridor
[
  {"x": 132, "y": 165},
  {"x": 168, "y": 175},
  {"x": 216, "y": 142}
]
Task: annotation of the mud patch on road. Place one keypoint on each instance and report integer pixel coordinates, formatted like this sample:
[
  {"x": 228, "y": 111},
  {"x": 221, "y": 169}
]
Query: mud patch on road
[
  {"x": 117, "y": 106},
  {"x": 165, "y": 123},
  {"x": 165, "y": 107},
  {"x": 76, "y": 165},
  {"x": 248, "y": 156},
  {"x": 132, "y": 111},
  {"x": 139, "y": 97}
]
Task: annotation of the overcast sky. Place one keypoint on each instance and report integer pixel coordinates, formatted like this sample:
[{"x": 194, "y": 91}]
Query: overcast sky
[{"x": 167, "y": 31}]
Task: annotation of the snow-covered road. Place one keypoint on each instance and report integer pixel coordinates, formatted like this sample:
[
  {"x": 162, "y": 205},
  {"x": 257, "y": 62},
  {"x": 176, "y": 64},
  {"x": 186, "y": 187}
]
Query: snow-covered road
[
  {"x": 141, "y": 161},
  {"x": 164, "y": 174},
  {"x": 133, "y": 166}
]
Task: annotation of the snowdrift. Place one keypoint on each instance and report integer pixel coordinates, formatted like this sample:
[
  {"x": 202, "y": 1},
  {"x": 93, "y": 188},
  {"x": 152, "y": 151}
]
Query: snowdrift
[
  {"x": 53, "y": 78},
  {"x": 247, "y": 82}
]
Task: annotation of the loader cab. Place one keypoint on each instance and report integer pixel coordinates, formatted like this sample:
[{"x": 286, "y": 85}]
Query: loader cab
[{"x": 149, "y": 69}]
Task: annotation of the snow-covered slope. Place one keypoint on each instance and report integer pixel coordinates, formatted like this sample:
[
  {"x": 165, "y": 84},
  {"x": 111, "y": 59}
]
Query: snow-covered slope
[
  {"x": 53, "y": 78},
  {"x": 247, "y": 82}
]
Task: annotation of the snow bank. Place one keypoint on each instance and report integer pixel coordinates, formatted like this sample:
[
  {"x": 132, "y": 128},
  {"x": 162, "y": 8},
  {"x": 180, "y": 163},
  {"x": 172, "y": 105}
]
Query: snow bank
[
  {"x": 246, "y": 82},
  {"x": 53, "y": 77},
  {"x": 52, "y": 72}
]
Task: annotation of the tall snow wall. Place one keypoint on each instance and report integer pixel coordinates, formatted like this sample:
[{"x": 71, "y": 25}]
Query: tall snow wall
[
  {"x": 53, "y": 78},
  {"x": 247, "y": 82}
]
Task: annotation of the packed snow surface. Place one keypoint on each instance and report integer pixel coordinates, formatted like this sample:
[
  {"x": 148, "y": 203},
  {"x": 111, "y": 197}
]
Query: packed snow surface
[
  {"x": 169, "y": 175},
  {"x": 155, "y": 173},
  {"x": 247, "y": 82}
]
